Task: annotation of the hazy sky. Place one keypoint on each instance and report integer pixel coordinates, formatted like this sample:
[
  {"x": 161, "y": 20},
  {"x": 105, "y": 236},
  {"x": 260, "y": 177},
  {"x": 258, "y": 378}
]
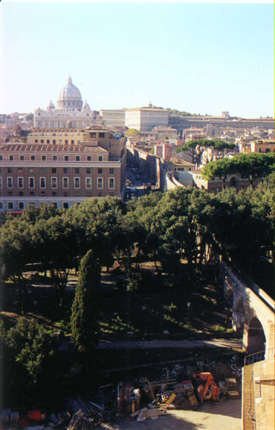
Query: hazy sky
[{"x": 201, "y": 58}]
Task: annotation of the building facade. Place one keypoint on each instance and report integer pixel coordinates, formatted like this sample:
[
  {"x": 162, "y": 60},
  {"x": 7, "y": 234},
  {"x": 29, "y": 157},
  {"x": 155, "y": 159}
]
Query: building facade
[
  {"x": 113, "y": 117},
  {"x": 146, "y": 118},
  {"x": 57, "y": 174},
  {"x": 70, "y": 110}
]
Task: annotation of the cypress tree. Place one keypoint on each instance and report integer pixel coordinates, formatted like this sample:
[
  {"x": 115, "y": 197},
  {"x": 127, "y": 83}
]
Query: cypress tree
[{"x": 83, "y": 317}]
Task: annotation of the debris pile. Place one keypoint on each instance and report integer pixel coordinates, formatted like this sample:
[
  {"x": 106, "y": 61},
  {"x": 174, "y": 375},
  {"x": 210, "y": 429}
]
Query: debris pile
[{"x": 179, "y": 387}]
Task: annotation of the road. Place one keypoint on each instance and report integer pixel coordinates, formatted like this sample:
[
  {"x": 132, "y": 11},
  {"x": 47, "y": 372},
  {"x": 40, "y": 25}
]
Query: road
[
  {"x": 144, "y": 344},
  {"x": 225, "y": 415}
]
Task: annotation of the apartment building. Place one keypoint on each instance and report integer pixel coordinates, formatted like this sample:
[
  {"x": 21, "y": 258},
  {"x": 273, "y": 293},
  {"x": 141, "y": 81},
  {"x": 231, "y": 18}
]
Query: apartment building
[{"x": 57, "y": 174}]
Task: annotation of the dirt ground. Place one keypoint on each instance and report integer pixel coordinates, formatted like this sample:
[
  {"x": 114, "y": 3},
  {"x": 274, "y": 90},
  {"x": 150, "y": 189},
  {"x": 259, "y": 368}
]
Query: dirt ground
[{"x": 225, "y": 415}]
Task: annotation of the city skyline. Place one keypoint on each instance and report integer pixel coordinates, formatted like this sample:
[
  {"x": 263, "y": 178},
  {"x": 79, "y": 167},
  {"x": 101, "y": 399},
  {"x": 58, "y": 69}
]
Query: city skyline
[{"x": 201, "y": 58}]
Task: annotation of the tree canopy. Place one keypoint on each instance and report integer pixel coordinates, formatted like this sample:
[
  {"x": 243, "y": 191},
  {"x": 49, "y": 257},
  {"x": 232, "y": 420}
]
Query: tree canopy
[{"x": 250, "y": 166}]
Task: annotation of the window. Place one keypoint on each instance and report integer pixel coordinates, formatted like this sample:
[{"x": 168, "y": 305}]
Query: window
[
  {"x": 99, "y": 171},
  {"x": 20, "y": 170},
  {"x": 66, "y": 158},
  {"x": 22, "y": 158},
  {"x": 89, "y": 158},
  {"x": 1, "y": 183},
  {"x": 44, "y": 158},
  {"x": 42, "y": 140},
  {"x": 88, "y": 183},
  {"x": 31, "y": 182},
  {"x": 66, "y": 205},
  {"x": 54, "y": 205},
  {"x": 77, "y": 158},
  {"x": 9, "y": 170},
  {"x": 48, "y": 141},
  {"x": 112, "y": 171},
  {"x": 54, "y": 157},
  {"x": 32, "y": 157},
  {"x": 32, "y": 193},
  {"x": 99, "y": 182},
  {"x": 10, "y": 205},
  {"x": 65, "y": 194},
  {"x": 111, "y": 183},
  {"x": 77, "y": 170},
  {"x": 20, "y": 181},
  {"x": 66, "y": 142},
  {"x": 88, "y": 171},
  {"x": 65, "y": 170},
  {"x": 36, "y": 141},
  {"x": 65, "y": 182},
  {"x": 42, "y": 182},
  {"x": 101, "y": 134},
  {"x": 11, "y": 157},
  {"x": 1, "y": 205},
  {"x": 1, "y": 157},
  {"x": 54, "y": 170},
  {"x": 76, "y": 182},
  {"x": 9, "y": 182},
  {"x": 53, "y": 182},
  {"x": 21, "y": 193},
  {"x": 31, "y": 170},
  {"x": 100, "y": 158},
  {"x": 72, "y": 142},
  {"x": 54, "y": 142},
  {"x": 43, "y": 170},
  {"x": 21, "y": 205}
]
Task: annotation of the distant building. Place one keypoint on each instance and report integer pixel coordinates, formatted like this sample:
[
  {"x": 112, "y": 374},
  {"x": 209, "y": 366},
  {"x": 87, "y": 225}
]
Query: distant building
[
  {"x": 215, "y": 185},
  {"x": 146, "y": 118},
  {"x": 163, "y": 150},
  {"x": 113, "y": 117},
  {"x": 70, "y": 110},
  {"x": 259, "y": 146}
]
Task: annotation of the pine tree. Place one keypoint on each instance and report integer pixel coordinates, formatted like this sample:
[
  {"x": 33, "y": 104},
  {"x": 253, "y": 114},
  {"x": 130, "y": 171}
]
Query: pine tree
[{"x": 83, "y": 317}]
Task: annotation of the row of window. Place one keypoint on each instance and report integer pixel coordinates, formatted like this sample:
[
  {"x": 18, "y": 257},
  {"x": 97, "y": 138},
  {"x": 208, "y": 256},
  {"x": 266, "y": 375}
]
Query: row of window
[
  {"x": 55, "y": 158},
  {"x": 54, "y": 182},
  {"x": 65, "y": 170},
  {"x": 23, "y": 205}
]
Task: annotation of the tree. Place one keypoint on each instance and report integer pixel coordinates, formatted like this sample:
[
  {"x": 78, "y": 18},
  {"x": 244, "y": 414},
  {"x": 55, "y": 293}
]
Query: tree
[
  {"x": 132, "y": 132},
  {"x": 28, "y": 354},
  {"x": 16, "y": 251},
  {"x": 83, "y": 317},
  {"x": 55, "y": 243},
  {"x": 220, "y": 168},
  {"x": 251, "y": 166}
]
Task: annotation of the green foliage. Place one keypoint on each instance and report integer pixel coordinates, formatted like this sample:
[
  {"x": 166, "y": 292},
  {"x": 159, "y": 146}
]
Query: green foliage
[
  {"x": 132, "y": 132},
  {"x": 178, "y": 112},
  {"x": 28, "y": 357},
  {"x": 206, "y": 143},
  {"x": 29, "y": 117},
  {"x": 83, "y": 318},
  {"x": 250, "y": 166}
]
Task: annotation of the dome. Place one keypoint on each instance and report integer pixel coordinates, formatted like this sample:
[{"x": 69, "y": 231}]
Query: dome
[{"x": 69, "y": 97}]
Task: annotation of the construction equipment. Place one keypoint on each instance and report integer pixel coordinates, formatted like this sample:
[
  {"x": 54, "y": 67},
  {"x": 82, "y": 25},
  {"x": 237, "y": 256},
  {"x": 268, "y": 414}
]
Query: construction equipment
[{"x": 206, "y": 386}]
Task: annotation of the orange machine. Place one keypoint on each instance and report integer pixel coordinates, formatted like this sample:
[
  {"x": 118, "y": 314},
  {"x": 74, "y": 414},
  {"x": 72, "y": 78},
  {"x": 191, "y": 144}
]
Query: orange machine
[{"x": 206, "y": 386}]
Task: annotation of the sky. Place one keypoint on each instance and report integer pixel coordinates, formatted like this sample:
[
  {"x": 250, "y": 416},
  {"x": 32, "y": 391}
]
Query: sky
[{"x": 197, "y": 57}]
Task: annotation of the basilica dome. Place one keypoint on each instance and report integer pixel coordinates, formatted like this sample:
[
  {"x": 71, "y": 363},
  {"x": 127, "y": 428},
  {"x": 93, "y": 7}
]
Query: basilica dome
[{"x": 69, "y": 97}]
